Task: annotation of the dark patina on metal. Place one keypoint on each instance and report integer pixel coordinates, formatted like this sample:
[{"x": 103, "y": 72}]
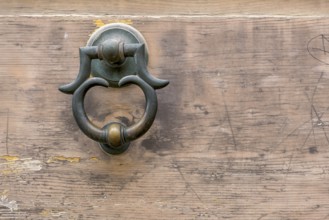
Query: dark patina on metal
[
  {"x": 116, "y": 55},
  {"x": 114, "y": 137}
]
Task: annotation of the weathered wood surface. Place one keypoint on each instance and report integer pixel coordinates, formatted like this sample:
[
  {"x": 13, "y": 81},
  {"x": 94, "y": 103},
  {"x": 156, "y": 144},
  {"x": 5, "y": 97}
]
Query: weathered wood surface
[
  {"x": 241, "y": 131},
  {"x": 168, "y": 7}
]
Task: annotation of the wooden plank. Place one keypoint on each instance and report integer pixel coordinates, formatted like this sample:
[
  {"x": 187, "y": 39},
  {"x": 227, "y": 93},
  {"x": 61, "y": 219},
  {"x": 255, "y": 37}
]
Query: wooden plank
[
  {"x": 241, "y": 132},
  {"x": 169, "y": 7}
]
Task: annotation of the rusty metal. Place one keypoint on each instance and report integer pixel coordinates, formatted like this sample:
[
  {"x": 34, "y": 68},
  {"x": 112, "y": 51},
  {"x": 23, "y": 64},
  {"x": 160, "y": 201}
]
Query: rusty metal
[{"x": 116, "y": 62}]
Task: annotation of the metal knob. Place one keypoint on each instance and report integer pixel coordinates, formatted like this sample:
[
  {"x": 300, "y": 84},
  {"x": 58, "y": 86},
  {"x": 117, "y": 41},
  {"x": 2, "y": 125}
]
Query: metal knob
[{"x": 120, "y": 55}]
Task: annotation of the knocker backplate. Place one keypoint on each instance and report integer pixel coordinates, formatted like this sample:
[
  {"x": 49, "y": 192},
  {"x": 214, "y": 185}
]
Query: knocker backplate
[{"x": 114, "y": 72}]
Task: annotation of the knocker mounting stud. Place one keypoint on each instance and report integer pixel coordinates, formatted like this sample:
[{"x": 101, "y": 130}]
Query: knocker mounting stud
[{"x": 116, "y": 55}]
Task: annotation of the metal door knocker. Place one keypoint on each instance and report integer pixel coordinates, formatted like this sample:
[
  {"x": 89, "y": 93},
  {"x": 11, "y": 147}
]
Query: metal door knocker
[{"x": 115, "y": 55}]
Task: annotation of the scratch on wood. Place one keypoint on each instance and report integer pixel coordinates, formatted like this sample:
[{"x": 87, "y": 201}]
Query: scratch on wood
[
  {"x": 7, "y": 133},
  {"x": 319, "y": 121},
  {"x": 316, "y": 87},
  {"x": 62, "y": 158},
  {"x": 307, "y": 137},
  {"x": 188, "y": 185},
  {"x": 288, "y": 135},
  {"x": 229, "y": 122},
  {"x": 312, "y": 107},
  {"x": 262, "y": 216}
]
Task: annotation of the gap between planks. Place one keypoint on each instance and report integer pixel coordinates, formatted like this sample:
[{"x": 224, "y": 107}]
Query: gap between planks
[{"x": 159, "y": 16}]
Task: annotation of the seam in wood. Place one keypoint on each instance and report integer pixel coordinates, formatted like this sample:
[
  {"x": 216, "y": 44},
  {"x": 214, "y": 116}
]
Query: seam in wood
[{"x": 159, "y": 16}]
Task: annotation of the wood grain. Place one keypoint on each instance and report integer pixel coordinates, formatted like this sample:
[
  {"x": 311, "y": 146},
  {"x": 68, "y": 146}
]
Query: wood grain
[
  {"x": 168, "y": 7},
  {"x": 241, "y": 131}
]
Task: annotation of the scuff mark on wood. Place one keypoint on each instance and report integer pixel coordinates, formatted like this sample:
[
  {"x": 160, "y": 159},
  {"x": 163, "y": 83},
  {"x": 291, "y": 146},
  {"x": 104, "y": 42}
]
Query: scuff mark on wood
[
  {"x": 45, "y": 212},
  {"x": 62, "y": 158},
  {"x": 9, "y": 158},
  {"x": 124, "y": 21},
  {"x": 58, "y": 214},
  {"x": 7, "y": 172},
  {"x": 32, "y": 165},
  {"x": 12, "y": 205},
  {"x": 99, "y": 23},
  {"x": 15, "y": 165},
  {"x": 94, "y": 158},
  {"x": 50, "y": 212}
]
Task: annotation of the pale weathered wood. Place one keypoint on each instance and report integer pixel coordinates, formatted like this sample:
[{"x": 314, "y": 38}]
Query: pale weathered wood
[
  {"x": 241, "y": 131},
  {"x": 168, "y": 7}
]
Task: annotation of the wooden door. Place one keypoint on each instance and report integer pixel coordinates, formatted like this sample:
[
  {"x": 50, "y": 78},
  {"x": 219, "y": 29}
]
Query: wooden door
[{"x": 242, "y": 131}]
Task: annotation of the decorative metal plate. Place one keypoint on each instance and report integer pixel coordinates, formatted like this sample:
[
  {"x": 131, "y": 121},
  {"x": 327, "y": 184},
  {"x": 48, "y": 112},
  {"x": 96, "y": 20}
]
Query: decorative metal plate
[{"x": 114, "y": 72}]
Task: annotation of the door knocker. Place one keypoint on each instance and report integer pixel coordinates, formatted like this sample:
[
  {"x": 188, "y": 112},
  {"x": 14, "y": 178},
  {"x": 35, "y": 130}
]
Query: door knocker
[{"x": 115, "y": 55}]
